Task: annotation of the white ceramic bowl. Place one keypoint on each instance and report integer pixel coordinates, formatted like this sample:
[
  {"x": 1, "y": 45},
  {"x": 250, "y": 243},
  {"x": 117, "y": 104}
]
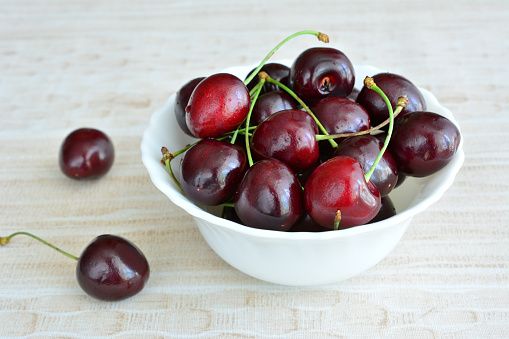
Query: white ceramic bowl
[{"x": 293, "y": 258}]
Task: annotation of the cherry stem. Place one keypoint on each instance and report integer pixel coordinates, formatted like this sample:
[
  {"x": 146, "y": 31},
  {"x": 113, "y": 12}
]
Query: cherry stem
[
  {"x": 168, "y": 157},
  {"x": 6, "y": 240},
  {"x": 321, "y": 36},
  {"x": 370, "y": 84},
  {"x": 299, "y": 100},
  {"x": 402, "y": 103},
  {"x": 253, "y": 102},
  {"x": 337, "y": 219}
]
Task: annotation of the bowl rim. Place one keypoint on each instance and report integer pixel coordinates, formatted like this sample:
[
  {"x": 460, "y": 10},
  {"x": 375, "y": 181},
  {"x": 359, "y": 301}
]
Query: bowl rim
[{"x": 195, "y": 211}]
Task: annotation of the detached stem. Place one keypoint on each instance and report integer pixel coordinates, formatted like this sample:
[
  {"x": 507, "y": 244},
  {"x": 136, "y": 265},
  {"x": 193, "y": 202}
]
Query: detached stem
[
  {"x": 6, "y": 240},
  {"x": 370, "y": 84},
  {"x": 320, "y": 36}
]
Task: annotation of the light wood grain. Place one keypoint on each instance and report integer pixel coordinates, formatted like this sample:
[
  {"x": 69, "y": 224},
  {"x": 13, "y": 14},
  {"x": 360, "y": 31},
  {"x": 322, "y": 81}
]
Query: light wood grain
[{"x": 110, "y": 64}]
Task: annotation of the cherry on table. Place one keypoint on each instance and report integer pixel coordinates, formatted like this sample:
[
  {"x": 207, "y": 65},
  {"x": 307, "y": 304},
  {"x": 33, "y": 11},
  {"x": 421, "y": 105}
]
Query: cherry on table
[
  {"x": 110, "y": 268},
  {"x": 86, "y": 153}
]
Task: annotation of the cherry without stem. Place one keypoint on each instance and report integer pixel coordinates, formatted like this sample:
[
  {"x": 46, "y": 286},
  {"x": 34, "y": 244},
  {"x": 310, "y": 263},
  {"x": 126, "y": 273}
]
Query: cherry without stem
[{"x": 86, "y": 153}]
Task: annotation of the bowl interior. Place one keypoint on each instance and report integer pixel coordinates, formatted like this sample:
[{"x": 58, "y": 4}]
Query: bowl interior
[{"x": 412, "y": 197}]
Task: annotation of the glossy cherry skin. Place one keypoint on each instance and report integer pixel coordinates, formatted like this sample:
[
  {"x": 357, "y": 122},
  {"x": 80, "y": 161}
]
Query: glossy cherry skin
[
  {"x": 339, "y": 184},
  {"x": 365, "y": 149},
  {"x": 394, "y": 86},
  {"x": 270, "y": 103},
  {"x": 181, "y": 101},
  {"x": 112, "y": 268},
  {"x": 289, "y": 136},
  {"x": 423, "y": 143},
  {"x": 276, "y": 71},
  {"x": 320, "y": 72},
  {"x": 218, "y": 104},
  {"x": 211, "y": 170},
  {"x": 86, "y": 153},
  {"x": 338, "y": 116},
  {"x": 387, "y": 210},
  {"x": 269, "y": 197}
]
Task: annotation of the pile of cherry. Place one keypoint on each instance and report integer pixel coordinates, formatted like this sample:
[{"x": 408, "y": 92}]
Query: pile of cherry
[{"x": 294, "y": 149}]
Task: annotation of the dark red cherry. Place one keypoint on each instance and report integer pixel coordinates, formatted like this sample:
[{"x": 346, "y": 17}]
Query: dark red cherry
[
  {"x": 112, "y": 268},
  {"x": 269, "y": 197},
  {"x": 276, "y": 71},
  {"x": 365, "y": 149},
  {"x": 270, "y": 103},
  {"x": 303, "y": 176},
  {"x": 339, "y": 185},
  {"x": 230, "y": 214},
  {"x": 321, "y": 72},
  {"x": 394, "y": 86},
  {"x": 338, "y": 116},
  {"x": 219, "y": 104},
  {"x": 387, "y": 210},
  {"x": 307, "y": 224},
  {"x": 181, "y": 101},
  {"x": 423, "y": 143},
  {"x": 289, "y": 136},
  {"x": 211, "y": 170},
  {"x": 86, "y": 153},
  {"x": 401, "y": 179}
]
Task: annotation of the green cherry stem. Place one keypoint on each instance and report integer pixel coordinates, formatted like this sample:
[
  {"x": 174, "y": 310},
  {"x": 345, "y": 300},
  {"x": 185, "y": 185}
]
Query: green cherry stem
[
  {"x": 337, "y": 219},
  {"x": 320, "y": 36},
  {"x": 254, "y": 90},
  {"x": 168, "y": 157},
  {"x": 370, "y": 84},
  {"x": 6, "y": 240},
  {"x": 299, "y": 100},
  {"x": 253, "y": 102},
  {"x": 402, "y": 103}
]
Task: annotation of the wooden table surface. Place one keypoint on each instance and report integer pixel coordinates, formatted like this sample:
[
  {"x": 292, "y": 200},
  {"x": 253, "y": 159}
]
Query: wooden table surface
[{"x": 111, "y": 64}]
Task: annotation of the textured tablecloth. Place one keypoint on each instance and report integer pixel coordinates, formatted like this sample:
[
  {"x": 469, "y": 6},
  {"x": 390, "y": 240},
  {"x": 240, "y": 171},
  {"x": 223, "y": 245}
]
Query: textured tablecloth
[{"x": 110, "y": 64}]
